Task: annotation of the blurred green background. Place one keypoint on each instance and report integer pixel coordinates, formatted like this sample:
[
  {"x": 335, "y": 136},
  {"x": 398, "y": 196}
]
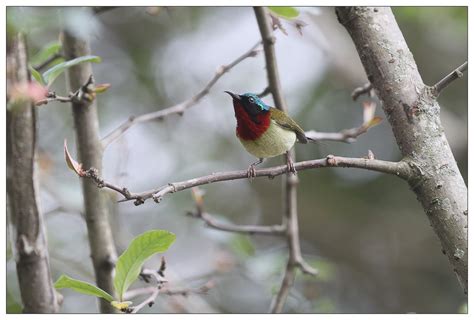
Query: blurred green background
[{"x": 365, "y": 231}]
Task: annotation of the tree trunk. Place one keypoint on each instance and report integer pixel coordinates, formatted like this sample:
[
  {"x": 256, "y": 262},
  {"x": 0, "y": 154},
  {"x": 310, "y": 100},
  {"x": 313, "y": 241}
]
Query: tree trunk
[
  {"x": 31, "y": 252},
  {"x": 89, "y": 150},
  {"x": 413, "y": 112}
]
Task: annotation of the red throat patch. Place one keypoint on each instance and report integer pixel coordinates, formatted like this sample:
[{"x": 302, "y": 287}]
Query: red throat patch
[{"x": 246, "y": 128}]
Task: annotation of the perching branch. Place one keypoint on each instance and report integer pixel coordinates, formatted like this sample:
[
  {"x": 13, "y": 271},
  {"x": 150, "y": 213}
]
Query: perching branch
[
  {"x": 401, "y": 169},
  {"x": 180, "y": 108},
  {"x": 446, "y": 81},
  {"x": 414, "y": 114}
]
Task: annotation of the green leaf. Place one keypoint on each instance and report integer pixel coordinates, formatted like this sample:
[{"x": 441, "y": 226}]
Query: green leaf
[
  {"x": 285, "y": 12},
  {"x": 141, "y": 248},
  {"x": 38, "y": 77},
  {"x": 46, "y": 52},
  {"x": 50, "y": 75},
  {"x": 82, "y": 287}
]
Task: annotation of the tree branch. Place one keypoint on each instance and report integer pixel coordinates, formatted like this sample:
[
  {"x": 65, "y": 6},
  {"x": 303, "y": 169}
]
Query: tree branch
[
  {"x": 401, "y": 169},
  {"x": 446, "y": 81},
  {"x": 213, "y": 223},
  {"x": 181, "y": 107},
  {"x": 249, "y": 229},
  {"x": 290, "y": 213},
  {"x": 414, "y": 114},
  {"x": 86, "y": 124}
]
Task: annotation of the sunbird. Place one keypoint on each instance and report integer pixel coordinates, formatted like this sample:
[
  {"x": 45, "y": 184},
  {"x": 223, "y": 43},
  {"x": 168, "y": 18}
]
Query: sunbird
[{"x": 264, "y": 131}]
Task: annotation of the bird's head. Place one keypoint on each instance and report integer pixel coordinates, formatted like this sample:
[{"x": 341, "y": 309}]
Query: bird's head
[{"x": 250, "y": 103}]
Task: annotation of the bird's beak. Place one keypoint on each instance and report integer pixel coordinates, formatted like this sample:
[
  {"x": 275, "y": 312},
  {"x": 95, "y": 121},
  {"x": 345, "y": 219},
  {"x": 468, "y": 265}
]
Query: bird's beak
[{"x": 233, "y": 95}]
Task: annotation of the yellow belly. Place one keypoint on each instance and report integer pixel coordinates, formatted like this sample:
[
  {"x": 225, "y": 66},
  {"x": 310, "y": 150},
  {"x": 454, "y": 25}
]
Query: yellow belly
[{"x": 273, "y": 142}]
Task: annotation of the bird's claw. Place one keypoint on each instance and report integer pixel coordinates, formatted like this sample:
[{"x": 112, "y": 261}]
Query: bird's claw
[
  {"x": 290, "y": 166},
  {"x": 251, "y": 172}
]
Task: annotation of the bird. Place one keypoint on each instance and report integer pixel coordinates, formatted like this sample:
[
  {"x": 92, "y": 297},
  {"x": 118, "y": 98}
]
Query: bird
[{"x": 264, "y": 131}]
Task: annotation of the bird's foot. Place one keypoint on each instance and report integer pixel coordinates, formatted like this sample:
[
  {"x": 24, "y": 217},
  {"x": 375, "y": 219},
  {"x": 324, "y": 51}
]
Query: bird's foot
[
  {"x": 251, "y": 171},
  {"x": 290, "y": 165}
]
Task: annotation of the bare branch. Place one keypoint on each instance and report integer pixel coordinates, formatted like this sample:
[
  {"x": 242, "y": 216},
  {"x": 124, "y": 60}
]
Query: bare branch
[
  {"x": 181, "y": 107},
  {"x": 401, "y": 169},
  {"x": 213, "y": 223},
  {"x": 148, "y": 301},
  {"x": 50, "y": 97},
  {"x": 86, "y": 126},
  {"x": 446, "y": 81},
  {"x": 278, "y": 301},
  {"x": 413, "y": 113},
  {"x": 249, "y": 229}
]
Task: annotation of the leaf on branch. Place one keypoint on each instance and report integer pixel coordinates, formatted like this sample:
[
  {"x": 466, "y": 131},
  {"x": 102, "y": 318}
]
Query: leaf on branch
[
  {"x": 46, "y": 52},
  {"x": 82, "y": 287},
  {"x": 285, "y": 12},
  {"x": 101, "y": 88},
  {"x": 369, "y": 111},
  {"x": 51, "y": 74},
  {"x": 71, "y": 163},
  {"x": 131, "y": 261},
  {"x": 36, "y": 75}
]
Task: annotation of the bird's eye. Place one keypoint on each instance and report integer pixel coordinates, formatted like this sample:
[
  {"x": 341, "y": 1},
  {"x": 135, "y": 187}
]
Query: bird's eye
[{"x": 251, "y": 100}]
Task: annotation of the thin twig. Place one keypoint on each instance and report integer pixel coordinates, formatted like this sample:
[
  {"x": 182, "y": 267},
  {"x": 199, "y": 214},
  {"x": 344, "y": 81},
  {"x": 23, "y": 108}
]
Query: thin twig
[
  {"x": 278, "y": 301},
  {"x": 213, "y": 223},
  {"x": 50, "y": 97},
  {"x": 44, "y": 64},
  {"x": 346, "y": 135},
  {"x": 249, "y": 229},
  {"x": 446, "y": 81},
  {"x": 181, "y": 107},
  {"x": 365, "y": 89},
  {"x": 148, "y": 301}
]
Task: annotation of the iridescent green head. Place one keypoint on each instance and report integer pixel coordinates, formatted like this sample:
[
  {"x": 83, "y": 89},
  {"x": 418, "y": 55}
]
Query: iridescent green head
[{"x": 251, "y": 103}]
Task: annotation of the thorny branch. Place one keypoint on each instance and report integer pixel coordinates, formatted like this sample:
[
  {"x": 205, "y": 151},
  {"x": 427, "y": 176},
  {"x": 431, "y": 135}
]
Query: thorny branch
[
  {"x": 179, "y": 108},
  {"x": 446, "y": 81}
]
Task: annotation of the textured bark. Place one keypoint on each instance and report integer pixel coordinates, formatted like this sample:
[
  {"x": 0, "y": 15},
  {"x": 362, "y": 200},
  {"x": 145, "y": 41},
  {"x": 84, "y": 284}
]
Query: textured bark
[
  {"x": 89, "y": 149},
  {"x": 31, "y": 252},
  {"x": 414, "y": 115}
]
